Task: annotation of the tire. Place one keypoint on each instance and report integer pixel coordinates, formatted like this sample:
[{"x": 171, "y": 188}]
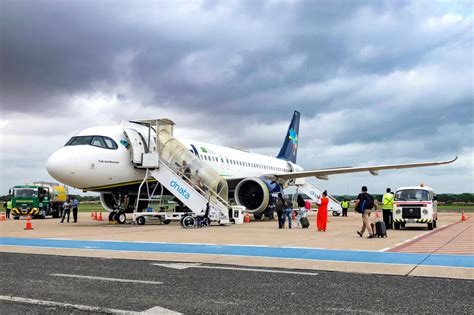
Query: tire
[
  {"x": 120, "y": 217},
  {"x": 16, "y": 218},
  {"x": 335, "y": 214},
  {"x": 403, "y": 224},
  {"x": 434, "y": 224},
  {"x": 257, "y": 216},
  {"x": 112, "y": 217},
  {"x": 188, "y": 222},
  {"x": 396, "y": 225},
  {"x": 206, "y": 222},
  {"x": 166, "y": 221},
  {"x": 430, "y": 226},
  {"x": 141, "y": 220}
]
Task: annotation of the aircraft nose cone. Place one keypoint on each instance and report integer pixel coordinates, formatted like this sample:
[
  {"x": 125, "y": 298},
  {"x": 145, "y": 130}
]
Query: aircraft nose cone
[{"x": 61, "y": 165}]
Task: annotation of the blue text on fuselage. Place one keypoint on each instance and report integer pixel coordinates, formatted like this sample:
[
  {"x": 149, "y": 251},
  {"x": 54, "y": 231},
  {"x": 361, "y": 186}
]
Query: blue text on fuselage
[{"x": 181, "y": 190}]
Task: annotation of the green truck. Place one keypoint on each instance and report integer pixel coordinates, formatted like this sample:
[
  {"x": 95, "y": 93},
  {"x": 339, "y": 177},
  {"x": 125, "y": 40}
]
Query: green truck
[{"x": 36, "y": 200}]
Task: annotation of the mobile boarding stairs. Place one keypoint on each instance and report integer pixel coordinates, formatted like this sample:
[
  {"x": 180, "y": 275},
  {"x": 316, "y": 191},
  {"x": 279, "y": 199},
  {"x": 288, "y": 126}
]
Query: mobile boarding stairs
[{"x": 166, "y": 160}]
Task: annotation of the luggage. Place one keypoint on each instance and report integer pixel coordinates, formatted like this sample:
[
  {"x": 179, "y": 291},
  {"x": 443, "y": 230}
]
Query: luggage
[
  {"x": 380, "y": 230},
  {"x": 304, "y": 222}
]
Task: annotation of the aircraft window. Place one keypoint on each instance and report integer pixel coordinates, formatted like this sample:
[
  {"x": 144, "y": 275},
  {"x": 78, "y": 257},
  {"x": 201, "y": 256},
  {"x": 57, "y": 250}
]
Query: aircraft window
[
  {"x": 80, "y": 140},
  {"x": 222, "y": 160},
  {"x": 98, "y": 142},
  {"x": 110, "y": 143},
  {"x": 227, "y": 160},
  {"x": 201, "y": 157}
]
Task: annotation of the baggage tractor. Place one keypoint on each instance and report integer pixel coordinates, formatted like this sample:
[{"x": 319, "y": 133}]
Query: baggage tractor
[
  {"x": 380, "y": 230},
  {"x": 304, "y": 222}
]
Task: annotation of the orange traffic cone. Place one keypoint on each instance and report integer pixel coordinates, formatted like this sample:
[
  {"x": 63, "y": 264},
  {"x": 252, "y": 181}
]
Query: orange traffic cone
[
  {"x": 94, "y": 216},
  {"x": 463, "y": 217},
  {"x": 99, "y": 218},
  {"x": 28, "y": 223},
  {"x": 247, "y": 217},
  {"x": 3, "y": 218}
]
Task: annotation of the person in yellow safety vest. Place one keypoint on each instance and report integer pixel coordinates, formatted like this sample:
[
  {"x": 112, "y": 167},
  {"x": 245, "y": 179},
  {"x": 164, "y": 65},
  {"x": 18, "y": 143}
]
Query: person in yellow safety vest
[
  {"x": 344, "y": 206},
  {"x": 9, "y": 209},
  {"x": 387, "y": 208}
]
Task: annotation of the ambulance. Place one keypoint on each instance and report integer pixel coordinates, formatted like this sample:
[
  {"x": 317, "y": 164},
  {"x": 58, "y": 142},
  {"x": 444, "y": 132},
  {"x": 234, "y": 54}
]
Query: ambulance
[{"x": 415, "y": 204}]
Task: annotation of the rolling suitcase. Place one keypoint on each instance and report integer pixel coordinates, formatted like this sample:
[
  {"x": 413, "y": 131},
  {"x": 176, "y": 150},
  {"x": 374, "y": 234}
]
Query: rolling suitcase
[
  {"x": 380, "y": 230},
  {"x": 304, "y": 222}
]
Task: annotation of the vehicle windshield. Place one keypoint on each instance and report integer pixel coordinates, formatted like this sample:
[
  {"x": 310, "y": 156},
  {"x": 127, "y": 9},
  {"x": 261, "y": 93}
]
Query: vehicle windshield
[
  {"x": 412, "y": 195},
  {"x": 26, "y": 193}
]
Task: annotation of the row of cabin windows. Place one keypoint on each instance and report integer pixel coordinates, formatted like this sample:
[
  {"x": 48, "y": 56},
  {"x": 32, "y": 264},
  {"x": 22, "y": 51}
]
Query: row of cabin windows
[{"x": 211, "y": 158}]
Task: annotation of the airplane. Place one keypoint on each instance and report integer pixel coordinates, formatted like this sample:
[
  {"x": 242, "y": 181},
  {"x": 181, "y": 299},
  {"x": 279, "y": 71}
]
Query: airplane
[{"x": 98, "y": 159}]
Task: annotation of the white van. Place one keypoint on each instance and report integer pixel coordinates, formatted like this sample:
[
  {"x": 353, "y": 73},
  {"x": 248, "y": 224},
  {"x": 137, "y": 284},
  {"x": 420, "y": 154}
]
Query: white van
[{"x": 416, "y": 204}]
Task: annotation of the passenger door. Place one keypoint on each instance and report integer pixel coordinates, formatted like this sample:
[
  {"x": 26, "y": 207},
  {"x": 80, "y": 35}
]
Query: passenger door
[{"x": 136, "y": 144}]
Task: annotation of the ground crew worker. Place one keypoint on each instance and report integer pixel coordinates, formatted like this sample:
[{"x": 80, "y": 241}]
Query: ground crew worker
[
  {"x": 66, "y": 210},
  {"x": 74, "y": 205},
  {"x": 387, "y": 208},
  {"x": 345, "y": 206},
  {"x": 9, "y": 208}
]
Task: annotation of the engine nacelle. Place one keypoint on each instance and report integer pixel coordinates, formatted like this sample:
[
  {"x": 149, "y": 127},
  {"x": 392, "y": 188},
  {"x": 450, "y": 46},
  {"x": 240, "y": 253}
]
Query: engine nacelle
[
  {"x": 255, "y": 194},
  {"x": 120, "y": 202}
]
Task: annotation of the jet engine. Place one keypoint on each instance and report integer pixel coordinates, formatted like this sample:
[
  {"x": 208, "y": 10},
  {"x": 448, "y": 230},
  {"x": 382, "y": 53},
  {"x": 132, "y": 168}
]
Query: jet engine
[{"x": 255, "y": 194}]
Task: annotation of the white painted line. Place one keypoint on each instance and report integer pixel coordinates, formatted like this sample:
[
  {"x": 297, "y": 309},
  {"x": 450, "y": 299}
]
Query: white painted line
[
  {"x": 177, "y": 266},
  {"x": 86, "y": 308},
  {"x": 160, "y": 310},
  {"x": 183, "y": 266},
  {"x": 105, "y": 279},
  {"x": 258, "y": 270}
]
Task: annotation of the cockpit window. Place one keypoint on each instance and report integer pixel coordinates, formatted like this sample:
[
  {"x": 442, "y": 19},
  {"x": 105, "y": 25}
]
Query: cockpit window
[
  {"x": 110, "y": 143},
  {"x": 97, "y": 141},
  {"x": 80, "y": 140}
]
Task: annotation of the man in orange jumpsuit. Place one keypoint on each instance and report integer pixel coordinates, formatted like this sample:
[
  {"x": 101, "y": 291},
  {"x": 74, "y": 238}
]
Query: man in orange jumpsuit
[{"x": 322, "y": 218}]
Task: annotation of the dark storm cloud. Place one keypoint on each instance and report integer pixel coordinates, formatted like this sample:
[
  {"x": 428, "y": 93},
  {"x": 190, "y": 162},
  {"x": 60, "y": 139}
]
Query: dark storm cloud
[{"x": 360, "y": 72}]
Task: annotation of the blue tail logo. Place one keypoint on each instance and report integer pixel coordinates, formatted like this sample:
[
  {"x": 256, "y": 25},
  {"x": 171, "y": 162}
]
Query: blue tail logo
[{"x": 290, "y": 146}]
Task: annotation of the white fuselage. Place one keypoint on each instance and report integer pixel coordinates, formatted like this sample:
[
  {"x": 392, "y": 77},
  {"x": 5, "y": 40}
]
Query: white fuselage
[{"x": 92, "y": 168}]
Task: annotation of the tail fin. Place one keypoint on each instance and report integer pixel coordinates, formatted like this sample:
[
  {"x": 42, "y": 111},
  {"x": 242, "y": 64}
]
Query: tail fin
[{"x": 290, "y": 145}]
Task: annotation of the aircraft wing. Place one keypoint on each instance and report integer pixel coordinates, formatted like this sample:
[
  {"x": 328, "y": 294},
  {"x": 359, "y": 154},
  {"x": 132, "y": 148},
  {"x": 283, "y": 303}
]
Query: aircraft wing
[{"x": 324, "y": 173}]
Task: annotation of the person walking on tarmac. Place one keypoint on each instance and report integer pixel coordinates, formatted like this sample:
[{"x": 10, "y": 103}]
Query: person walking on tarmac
[
  {"x": 301, "y": 210},
  {"x": 74, "y": 205},
  {"x": 322, "y": 218},
  {"x": 288, "y": 209},
  {"x": 344, "y": 206},
  {"x": 364, "y": 204},
  {"x": 279, "y": 208},
  {"x": 387, "y": 208}
]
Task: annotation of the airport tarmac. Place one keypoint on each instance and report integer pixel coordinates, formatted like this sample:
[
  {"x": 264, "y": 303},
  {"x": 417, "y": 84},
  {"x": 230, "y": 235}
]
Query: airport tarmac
[{"x": 259, "y": 244}]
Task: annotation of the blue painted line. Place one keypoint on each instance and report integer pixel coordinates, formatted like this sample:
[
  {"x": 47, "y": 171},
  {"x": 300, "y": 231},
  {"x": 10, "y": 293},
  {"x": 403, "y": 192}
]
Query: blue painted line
[{"x": 253, "y": 251}]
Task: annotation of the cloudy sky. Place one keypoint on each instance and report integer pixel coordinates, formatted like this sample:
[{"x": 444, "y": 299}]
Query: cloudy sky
[{"x": 376, "y": 82}]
